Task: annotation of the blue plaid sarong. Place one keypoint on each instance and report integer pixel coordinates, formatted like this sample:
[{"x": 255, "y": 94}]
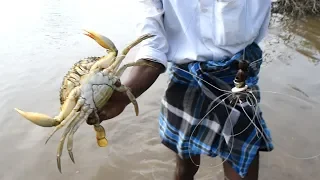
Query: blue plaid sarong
[{"x": 226, "y": 131}]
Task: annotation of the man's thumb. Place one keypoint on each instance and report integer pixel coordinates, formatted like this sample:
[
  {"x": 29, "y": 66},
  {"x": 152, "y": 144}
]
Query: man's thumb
[{"x": 93, "y": 120}]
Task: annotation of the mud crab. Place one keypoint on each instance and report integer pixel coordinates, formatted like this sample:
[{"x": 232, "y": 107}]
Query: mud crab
[{"x": 85, "y": 89}]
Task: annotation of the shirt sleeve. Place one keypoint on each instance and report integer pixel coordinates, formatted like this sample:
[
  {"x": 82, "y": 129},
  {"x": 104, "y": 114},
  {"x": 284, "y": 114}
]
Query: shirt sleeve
[
  {"x": 265, "y": 26},
  {"x": 150, "y": 20}
]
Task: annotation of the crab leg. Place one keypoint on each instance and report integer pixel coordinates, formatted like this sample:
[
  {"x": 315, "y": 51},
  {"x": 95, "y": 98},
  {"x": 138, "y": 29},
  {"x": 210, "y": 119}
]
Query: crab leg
[
  {"x": 63, "y": 137},
  {"x": 68, "y": 108},
  {"x": 70, "y": 139},
  {"x": 100, "y": 135},
  {"x": 75, "y": 82},
  {"x": 38, "y": 118},
  {"x": 119, "y": 59},
  {"x": 101, "y": 40},
  {"x": 104, "y": 62},
  {"x": 47, "y": 121},
  {"x": 75, "y": 76},
  {"x": 136, "y": 42},
  {"x": 71, "y": 116},
  {"x": 83, "y": 115},
  {"x": 69, "y": 104},
  {"x": 80, "y": 70},
  {"x": 74, "y": 128},
  {"x": 138, "y": 63},
  {"x": 123, "y": 88},
  {"x": 100, "y": 132}
]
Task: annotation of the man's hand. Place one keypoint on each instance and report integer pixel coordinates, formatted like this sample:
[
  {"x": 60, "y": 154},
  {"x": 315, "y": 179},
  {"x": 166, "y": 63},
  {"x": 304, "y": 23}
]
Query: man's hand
[{"x": 139, "y": 80}]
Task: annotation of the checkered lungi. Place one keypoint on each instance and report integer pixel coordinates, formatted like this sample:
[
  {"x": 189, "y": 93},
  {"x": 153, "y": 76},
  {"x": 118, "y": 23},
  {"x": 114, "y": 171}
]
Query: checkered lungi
[{"x": 188, "y": 127}]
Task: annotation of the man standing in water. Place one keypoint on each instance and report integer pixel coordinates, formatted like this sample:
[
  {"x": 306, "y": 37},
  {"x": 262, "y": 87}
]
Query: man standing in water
[{"x": 205, "y": 38}]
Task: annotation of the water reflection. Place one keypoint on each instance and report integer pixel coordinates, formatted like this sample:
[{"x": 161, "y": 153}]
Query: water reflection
[{"x": 302, "y": 36}]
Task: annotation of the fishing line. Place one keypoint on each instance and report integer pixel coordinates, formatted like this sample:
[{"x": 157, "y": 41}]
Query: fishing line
[
  {"x": 202, "y": 120},
  {"x": 220, "y": 136},
  {"x": 229, "y": 93},
  {"x": 256, "y": 102}
]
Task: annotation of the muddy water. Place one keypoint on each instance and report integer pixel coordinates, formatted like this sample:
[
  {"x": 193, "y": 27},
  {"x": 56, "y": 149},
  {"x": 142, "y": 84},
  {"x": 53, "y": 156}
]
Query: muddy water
[{"x": 40, "y": 40}]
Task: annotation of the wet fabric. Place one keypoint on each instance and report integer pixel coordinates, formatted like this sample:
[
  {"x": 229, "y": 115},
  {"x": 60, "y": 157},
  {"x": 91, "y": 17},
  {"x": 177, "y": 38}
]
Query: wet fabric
[{"x": 197, "y": 118}]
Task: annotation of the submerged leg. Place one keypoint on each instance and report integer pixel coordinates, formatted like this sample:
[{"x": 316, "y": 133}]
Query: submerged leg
[
  {"x": 252, "y": 174},
  {"x": 186, "y": 168}
]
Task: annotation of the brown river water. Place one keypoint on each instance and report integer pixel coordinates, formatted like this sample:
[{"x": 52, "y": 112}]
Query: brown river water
[{"x": 41, "y": 39}]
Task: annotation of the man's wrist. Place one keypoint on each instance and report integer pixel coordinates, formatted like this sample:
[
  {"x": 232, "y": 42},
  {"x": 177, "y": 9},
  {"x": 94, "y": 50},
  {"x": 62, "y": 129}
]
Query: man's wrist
[{"x": 142, "y": 77}]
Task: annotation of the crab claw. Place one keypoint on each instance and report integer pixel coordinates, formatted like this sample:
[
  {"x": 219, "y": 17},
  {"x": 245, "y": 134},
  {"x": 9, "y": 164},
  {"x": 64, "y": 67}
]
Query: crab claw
[
  {"x": 101, "y": 40},
  {"x": 38, "y": 119}
]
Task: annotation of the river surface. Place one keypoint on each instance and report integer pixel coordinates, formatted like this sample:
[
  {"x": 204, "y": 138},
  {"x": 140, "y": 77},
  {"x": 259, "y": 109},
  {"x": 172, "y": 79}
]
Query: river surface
[{"x": 41, "y": 39}]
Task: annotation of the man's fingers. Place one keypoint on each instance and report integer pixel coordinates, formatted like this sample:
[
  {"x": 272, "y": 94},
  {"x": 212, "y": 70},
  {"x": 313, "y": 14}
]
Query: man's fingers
[
  {"x": 103, "y": 115},
  {"x": 109, "y": 112},
  {"x": 91, "y": 119}
]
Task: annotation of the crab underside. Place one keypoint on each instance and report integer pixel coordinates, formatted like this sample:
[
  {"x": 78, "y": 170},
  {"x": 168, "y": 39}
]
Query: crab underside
[{"x": 85, "y": 89}]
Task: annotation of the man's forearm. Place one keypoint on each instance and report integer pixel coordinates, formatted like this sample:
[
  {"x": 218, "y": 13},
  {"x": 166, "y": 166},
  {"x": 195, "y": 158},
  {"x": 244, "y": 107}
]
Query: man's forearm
[{"x": 142, "y": 77}]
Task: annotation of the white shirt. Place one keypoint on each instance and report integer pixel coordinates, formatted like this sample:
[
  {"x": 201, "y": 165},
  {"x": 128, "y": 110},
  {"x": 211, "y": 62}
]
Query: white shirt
[{"x": 199, "y": 30}]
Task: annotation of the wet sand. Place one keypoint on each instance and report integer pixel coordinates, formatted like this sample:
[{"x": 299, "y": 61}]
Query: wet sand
[{"x": 36, "y": 51}]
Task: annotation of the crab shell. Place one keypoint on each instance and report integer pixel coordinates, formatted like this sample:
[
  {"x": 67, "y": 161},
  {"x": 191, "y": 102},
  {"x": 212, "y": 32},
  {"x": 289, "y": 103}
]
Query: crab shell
[{"x": 78, "y": 69}]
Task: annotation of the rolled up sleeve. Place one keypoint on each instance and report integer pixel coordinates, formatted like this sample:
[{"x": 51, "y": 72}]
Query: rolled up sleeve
[
  {"x": 265, "y": 25},
  {"x": 150, "y": 21}
]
